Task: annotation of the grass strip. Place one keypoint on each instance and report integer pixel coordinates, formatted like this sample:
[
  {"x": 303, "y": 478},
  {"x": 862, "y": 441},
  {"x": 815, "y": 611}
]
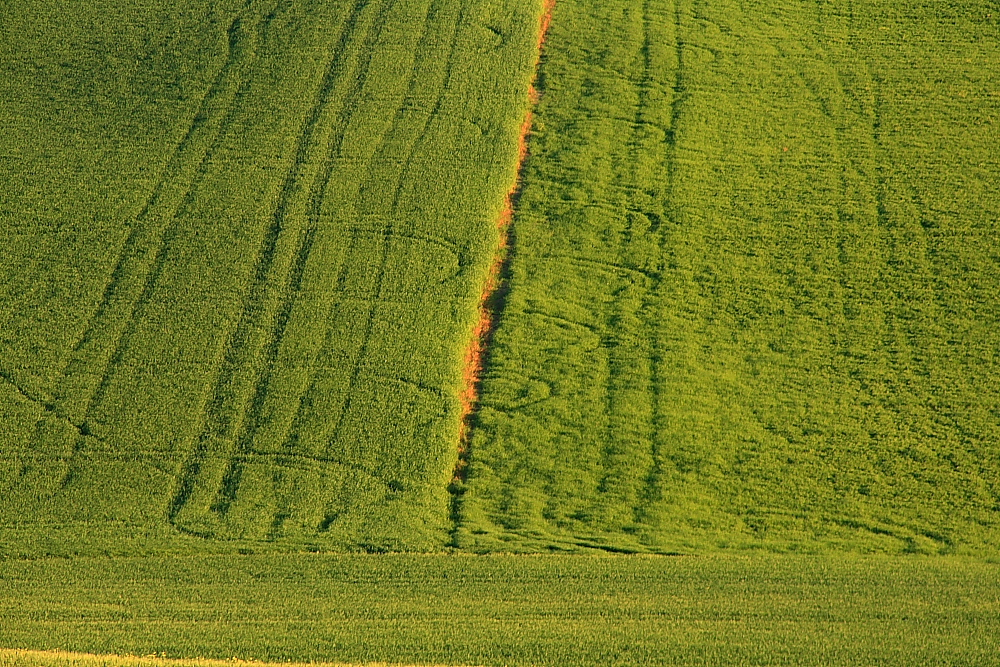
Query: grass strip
[
  {"x": 763, "y": 609},
  {"x": 26, "y": 658}
]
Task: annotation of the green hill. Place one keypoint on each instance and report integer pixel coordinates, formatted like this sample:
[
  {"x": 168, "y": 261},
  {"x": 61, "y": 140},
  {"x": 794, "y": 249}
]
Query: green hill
[
  {"x": 752, "y": 301},
  {"x": 243, "y": 247},
  {"x": 747, "y": 301},
  {"x": 749, "y": 298}
]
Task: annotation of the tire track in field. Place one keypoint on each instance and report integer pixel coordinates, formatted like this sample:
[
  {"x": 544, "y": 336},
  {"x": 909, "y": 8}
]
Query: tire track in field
[
  {"x": 293, "y": 437},
  {"x": 651, "y": 491},
  {"x": 170, "y": 172},
  {"x": 900, "y": 337},
  {"x": 253, "y": 418},
  {"x": 146, "y": 238},
  {"x": 220, "y": 422},
  {"x": 46, "y": 404},
  {"x": 389, "y": 228},
  {"x": 387, "y": 233},
  {"x": 159, "y": 262},
  {"x": 440, "y": 241},
  {"x": 626, "y": 329},
  {"x": 131, "y": 262}
]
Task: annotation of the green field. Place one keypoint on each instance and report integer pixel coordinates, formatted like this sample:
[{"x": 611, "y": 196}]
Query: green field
[
  {"x": 741, "y": 339},
  {"x": 32, "y": 658},
  {"x": 243, "y": 249},
  {"x": 752, "y": 301},
  {"x": 511, "y": 610}
]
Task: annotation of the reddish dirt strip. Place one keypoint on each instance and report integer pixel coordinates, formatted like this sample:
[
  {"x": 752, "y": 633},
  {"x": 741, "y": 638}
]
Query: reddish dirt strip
[{"x": 491, "y": 302}]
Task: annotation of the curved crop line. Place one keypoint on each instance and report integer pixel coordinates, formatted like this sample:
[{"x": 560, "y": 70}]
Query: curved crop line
[
  {"x": 174, "y": 166},
  {"x": 561, "y": 320},
  {"x": 394, "y": 302},
  {"x": 235, "y": 34},
  {"x": 419, "y": 386},
  {"x": 449, "y": 246},
  {"x": 254, "y": 417},
  {"x": 311, "y": 463},
  {"x": 602, "y": 265},
  {"x": 397, "y": 197},
  {"x": 236, "y": 38},
  {"x": 217, "y": 422},
  {"x": 47, "y": 405},
  {"x": 387, "y": 233}
]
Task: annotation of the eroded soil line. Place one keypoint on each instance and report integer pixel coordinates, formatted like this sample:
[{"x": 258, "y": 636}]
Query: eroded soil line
[{"x": 494, "y": 296}]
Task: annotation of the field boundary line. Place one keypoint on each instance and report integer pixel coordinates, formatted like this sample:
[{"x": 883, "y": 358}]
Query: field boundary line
[{"x": 496, "y": 288}]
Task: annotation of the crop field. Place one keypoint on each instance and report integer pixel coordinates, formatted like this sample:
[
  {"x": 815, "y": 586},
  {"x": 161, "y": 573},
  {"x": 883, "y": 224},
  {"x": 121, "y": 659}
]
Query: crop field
[
  {"x": 32, "y": 658},
  {"x": 556, "y": 610},
  {"x": 612, "y": 332},
  {"x": 243, "y": 250},
  {"x": 752, "y": 298}
]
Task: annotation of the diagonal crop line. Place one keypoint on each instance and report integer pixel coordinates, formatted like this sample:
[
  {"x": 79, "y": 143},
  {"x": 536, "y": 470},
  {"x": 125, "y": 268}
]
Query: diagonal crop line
[
  {"x": 47, "y": 405},
  {"x": 132, "y": 250},
  {"x": 239, "y": 56},
  {"x": 495, "y": 292},
  {"x": 390, "y": 227},
  {"x": 295, "y": 431}
]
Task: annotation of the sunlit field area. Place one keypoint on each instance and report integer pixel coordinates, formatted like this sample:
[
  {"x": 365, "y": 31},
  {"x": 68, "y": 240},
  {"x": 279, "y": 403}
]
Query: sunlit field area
[
  {"x": 506, "y": 610},
  {"x": 753, "y": 297}
]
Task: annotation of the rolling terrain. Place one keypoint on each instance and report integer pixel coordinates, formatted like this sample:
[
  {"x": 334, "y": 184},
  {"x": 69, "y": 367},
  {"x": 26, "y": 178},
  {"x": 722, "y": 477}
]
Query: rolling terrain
[
  {"x": 241, "y": 271},
  {"x": 710, "y": 283},
  {"x": 752, "y": 298}
]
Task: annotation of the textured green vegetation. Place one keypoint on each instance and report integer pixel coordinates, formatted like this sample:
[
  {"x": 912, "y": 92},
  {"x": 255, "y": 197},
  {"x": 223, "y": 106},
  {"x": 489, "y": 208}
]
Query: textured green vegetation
[
  {"x": 243, "y": 244},
  {"x": 753, "y": 299},
  {"x": 23, "y": 658},
  {"x": 751, "y": 302},
  {"x": 510, "y": 610}
]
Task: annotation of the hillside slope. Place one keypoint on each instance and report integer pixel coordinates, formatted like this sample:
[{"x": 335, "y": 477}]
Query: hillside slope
[
  {"x": 243, "y": 244},
  {"x": 753, "y": 300}
]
